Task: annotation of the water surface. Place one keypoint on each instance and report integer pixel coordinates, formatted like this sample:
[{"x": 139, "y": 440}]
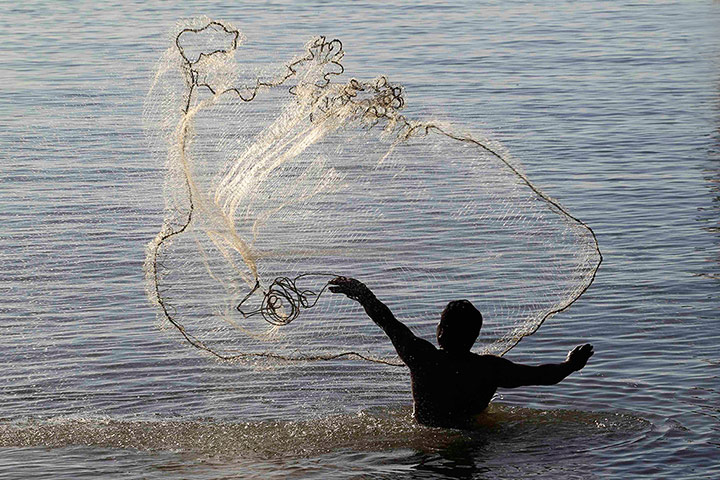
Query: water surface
[{"x": 611, "y": 107}]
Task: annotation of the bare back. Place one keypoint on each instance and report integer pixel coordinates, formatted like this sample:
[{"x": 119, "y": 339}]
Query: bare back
[{"x": 450, "y": 389}]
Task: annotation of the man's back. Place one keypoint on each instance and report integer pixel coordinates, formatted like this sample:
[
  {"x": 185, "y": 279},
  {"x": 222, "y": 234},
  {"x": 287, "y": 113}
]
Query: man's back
[{"x": 450, "y": 389}]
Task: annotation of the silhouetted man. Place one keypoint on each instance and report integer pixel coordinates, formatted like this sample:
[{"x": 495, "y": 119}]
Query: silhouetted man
[{"x": 451, "y": 384}]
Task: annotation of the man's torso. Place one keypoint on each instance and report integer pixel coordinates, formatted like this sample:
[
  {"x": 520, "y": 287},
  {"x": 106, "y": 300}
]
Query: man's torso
[{"x": 448, "y": 389}]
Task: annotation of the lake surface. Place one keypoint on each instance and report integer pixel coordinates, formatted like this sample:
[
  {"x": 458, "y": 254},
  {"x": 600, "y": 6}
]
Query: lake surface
[{"x": 613, "y": 108}]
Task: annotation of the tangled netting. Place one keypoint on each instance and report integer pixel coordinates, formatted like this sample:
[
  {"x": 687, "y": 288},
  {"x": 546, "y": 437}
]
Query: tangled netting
[{"x": 278, "y": 181}]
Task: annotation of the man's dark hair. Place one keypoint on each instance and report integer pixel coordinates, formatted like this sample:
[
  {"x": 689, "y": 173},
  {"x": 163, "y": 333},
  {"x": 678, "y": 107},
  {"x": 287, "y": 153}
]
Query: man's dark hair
[{"x": 459, "y": 326}]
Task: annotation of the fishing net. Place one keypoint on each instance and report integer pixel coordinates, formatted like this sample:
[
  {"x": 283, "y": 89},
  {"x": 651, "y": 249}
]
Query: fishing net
[{"x": 280, "y": 180}]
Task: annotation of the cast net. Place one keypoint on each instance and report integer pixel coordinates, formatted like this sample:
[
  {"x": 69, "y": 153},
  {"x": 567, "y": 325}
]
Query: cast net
[{"x": 278, "y": 181}]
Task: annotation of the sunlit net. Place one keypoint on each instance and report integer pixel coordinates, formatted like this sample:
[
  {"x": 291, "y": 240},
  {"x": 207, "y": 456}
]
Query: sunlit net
[{"x": 277, "y": 183}]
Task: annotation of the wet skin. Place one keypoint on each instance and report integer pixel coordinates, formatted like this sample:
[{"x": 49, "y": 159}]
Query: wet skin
[{"x": 450, "y": 387}]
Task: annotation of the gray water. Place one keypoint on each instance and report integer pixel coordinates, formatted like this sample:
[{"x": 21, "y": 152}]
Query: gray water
[{"x": 612, "y": 107}]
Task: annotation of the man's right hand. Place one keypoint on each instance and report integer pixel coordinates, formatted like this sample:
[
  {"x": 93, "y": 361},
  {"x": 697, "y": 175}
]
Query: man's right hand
[
  {"x": 578, "y": 356},
  {"x": 354, "y": 289}
]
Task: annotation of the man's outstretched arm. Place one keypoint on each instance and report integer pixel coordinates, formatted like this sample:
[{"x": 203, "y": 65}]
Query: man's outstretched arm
[
  {"x": 510, "y": 375},
  {"x": 409, "y": 347}
]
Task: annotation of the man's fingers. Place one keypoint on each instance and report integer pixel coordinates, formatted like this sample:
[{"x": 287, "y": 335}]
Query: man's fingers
[
  {"x": 581, "y": 354},
  {"x": 585, "y": 351}
]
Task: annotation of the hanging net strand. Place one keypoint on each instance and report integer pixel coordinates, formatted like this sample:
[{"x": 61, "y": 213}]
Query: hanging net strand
[{"x": 273, "y": 184}]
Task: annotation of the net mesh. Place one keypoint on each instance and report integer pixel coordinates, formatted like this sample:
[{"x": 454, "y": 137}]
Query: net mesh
[{"x": 277, "y": 182}]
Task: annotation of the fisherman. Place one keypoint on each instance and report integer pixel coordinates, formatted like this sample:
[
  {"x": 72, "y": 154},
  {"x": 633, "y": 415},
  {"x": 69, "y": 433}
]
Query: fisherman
[{"x": 451, "y": 385}]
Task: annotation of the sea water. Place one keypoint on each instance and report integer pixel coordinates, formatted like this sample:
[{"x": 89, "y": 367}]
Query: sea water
[{"x": 611, "y": 107}]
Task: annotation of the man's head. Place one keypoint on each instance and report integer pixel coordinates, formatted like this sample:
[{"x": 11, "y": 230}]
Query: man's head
[{"x": 459, "y": 326}]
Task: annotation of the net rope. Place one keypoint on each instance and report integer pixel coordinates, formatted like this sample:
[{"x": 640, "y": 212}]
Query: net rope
[{"x": 278, "y": 182}]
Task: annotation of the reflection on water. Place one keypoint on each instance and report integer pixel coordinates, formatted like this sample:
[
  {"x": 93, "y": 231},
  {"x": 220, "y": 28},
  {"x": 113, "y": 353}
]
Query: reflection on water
[{"x": 388, "y": 439}]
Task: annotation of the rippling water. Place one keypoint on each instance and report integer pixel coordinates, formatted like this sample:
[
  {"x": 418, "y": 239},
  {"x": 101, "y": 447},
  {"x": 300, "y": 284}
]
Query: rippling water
[{"x": 613, "y": 108}]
